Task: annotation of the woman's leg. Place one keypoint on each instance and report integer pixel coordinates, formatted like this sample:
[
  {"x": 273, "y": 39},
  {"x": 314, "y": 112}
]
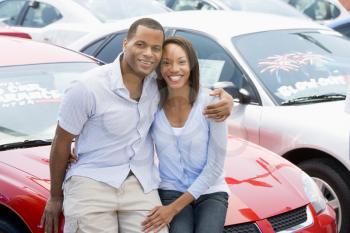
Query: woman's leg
[
  {"x": 183, "y": 222},
  {"x": 210, "y": 213}
]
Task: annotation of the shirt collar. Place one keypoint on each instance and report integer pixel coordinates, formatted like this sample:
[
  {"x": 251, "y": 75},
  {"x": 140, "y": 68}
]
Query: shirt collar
[{"x": 116, "y": 75}]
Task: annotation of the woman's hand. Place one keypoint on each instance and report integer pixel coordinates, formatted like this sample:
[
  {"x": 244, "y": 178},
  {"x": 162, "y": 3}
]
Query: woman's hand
[
  {"x": 159, "y": 218},
  {"x": 222, "y": 109}
]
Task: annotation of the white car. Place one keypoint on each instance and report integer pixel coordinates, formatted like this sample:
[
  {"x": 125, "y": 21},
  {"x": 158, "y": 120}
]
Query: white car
[
  {"x": 63, "y": 21},
  {"x": 267, "y": 6},
  {"x": 289, "y": 80},
  {"x": 322, "y": 11}
]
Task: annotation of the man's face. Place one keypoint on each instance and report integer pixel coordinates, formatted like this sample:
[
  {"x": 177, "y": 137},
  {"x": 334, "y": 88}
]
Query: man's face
[{"x": 142, "y": 52}]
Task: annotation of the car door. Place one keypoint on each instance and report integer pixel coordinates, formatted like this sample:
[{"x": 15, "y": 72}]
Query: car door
[{"x": 217, "y": 67}]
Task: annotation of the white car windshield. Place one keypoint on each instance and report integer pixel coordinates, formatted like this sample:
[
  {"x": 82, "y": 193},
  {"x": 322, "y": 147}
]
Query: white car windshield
[
  {"x": 299, "y": 65},
  {"x": 112, "y": 10}
]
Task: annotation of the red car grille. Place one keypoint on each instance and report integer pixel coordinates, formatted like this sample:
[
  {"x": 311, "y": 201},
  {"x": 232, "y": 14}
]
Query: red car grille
[
  {"x": 287, "y": 220},
  {"x": 242, "y": 228},
  {"x": 279, "y": 222}
]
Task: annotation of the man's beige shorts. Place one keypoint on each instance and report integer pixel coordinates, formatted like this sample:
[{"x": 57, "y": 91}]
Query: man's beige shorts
[{"x": 90, "y": 206}]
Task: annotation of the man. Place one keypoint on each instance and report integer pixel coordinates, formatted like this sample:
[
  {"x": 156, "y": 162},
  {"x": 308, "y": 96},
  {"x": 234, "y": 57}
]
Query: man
[{"x": 113, "y": 186}]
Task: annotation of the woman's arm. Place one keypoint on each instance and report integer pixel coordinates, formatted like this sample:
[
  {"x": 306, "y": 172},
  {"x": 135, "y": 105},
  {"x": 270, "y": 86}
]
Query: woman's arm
[{"x": 216, "y": 158}]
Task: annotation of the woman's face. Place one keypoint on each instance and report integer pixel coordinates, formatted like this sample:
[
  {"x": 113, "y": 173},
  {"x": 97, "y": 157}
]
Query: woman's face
[{"x": 175, "y": 66}]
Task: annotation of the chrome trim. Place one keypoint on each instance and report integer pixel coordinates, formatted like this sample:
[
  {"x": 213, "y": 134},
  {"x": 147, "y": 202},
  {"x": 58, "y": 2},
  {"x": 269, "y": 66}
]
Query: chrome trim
[
  {"x": 257, "y": 227},
  {"x": 309, "y": 221}
]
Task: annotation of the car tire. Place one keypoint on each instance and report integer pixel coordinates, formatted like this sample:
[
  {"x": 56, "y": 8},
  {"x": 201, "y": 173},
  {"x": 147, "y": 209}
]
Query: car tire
[
  {"x": 9, "y": 227},
  {"x": 325, "y": 170}
]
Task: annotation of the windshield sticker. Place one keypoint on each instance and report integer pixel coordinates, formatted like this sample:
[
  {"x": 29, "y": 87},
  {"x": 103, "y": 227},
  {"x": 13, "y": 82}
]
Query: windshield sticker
[
  {"x": 288, "y": 90},
  {"x": 210, "y": 71},
  {"x": 14, "y": 94},
  {"x": 291, "y": 61}
]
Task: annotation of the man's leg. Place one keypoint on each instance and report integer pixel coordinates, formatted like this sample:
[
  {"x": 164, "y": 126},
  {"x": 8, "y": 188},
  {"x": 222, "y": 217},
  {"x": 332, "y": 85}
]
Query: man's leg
[
  {"x": 134, "y": 206},
  {"x": 210, "y": 213},
  {"x": 89, "y": 206}
]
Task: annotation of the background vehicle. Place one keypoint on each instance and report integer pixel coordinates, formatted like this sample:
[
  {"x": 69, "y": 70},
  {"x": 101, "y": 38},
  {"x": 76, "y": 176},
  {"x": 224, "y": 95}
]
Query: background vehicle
[
  {"x": 31, "y": 87},
  {"x": 33, "y": 77},
  {"x": 323, "y": 11},
  {"x": 289, "y": 80},
  {"x": 267, "y": 6},
  {"x": 62, "y": 21}
]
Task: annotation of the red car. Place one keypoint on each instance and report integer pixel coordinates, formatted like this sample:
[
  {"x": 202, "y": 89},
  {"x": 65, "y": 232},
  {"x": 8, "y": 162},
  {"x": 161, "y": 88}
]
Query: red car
[{"x": 269, "y": 194}]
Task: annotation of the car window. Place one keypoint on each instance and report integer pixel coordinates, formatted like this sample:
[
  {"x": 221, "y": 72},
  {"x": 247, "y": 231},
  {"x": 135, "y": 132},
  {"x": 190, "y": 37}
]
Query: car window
[
  {"x": 91, "y": 49},
  {"x": 215, "y": 63},
  {"x": 345, "y": 30},
  {"x": 40, "y": 15},
  {"x": 316, "y": 9},
  {"x": 206, "y": 6},
  {"x": 111, "y": 50},
  {"x": 314, "y": 63},
  {"x": 184, "y": 5},
  {"x": 10, "y": 10}
]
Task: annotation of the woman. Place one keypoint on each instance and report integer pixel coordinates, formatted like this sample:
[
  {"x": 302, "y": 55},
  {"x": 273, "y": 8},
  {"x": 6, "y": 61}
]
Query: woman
[{"x": 191, "y": 149}]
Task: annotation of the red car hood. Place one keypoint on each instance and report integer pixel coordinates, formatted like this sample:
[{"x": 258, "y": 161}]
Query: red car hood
[
  {"x": 34, "y": 161},
  {"x": 262, "y": 184}
]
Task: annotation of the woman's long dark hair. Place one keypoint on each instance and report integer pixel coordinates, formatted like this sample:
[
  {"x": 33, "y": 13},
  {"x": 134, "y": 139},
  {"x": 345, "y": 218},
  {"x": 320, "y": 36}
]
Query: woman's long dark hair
[{"x": 194, "y": 70}]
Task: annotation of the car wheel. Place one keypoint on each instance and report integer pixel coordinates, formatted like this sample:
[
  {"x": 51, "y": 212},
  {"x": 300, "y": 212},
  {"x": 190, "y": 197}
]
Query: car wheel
[
  {"x": 332, "y": 183},
  {"x": 8, "y": 227}
]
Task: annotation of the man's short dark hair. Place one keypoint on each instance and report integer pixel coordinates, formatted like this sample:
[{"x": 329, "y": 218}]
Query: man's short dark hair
[{"x": 146, "y": 22}]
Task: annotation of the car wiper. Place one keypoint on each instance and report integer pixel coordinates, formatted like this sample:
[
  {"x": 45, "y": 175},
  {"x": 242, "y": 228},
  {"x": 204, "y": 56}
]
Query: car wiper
[
  {"x": 11, "y": 132},
  {"x": 314, "y": 99},
  {"x": 25, "y": 144}
]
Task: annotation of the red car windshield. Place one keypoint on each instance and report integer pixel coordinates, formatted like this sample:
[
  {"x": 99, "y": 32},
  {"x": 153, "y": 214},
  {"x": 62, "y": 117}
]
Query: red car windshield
[{"x": 30, "y": 97}]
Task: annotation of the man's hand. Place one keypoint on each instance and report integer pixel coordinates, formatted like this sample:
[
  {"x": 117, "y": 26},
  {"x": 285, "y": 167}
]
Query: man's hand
[
  {"x": 159, "y": 218},
  {"x": 60, "y": 151},
  {"x": 73, "y": 158},
  {"x": 222, "y": 109},
  {"x": 50, "y": 217}
]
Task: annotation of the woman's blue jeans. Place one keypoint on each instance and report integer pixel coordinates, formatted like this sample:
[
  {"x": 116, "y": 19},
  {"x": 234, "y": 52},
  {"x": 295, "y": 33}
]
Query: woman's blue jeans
[{"x": 205, "y": 215}]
